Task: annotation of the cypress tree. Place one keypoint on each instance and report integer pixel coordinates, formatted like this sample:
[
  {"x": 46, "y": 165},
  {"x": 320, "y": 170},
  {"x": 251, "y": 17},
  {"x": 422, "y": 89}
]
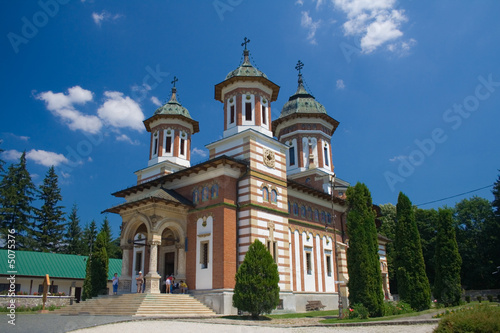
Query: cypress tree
[
  {"x": 427, "y": 221},
  {"x": 73, "y": 236},
  {"x": 447, "y": 288},
  {"x": 99, "y": 266},
  {"x": 87, "y": 282},
  {"x": 363, "y": 263},
  {"x": 49, "y": 219},
  {"x": 16, "y": 195},
  {"x": 388, "y": 229},
  {"x": 413, "y": 285},
  {"x": 106, "y": 229},
  {"x": 89, "y": 236},
  {"x": 256, "y": 290}
]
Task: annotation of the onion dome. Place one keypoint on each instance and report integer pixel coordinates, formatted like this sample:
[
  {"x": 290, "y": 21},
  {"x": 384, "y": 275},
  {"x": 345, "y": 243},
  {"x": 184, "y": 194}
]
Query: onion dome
[
  {"x": 246, "y": 68},
  {"x": 173, "y": 107},
  {"x": 302, "y": 102}
]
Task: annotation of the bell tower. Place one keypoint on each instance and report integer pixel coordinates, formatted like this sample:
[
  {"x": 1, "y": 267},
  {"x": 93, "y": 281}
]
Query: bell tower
[{"x": 171, "y": 128}]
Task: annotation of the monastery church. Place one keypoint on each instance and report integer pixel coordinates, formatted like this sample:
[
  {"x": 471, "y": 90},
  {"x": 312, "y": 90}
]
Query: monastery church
[{"x": 271, "y": 180}]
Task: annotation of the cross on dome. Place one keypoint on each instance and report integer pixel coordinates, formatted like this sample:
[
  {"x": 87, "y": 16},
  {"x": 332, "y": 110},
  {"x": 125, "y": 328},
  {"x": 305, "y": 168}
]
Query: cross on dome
[
  {"x": 299, "y": 66},
  {"x": 246, "y": 41},
  {"x": 174, "y": 81}
]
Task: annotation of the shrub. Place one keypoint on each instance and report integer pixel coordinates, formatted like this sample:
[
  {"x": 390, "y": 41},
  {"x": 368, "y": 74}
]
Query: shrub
[
  {"x": 490, "y": 298},
  {"x": 467, "y": 299},
  {"x": 395, "y": 308},
  {"x": 479, "y": 299},
  {"x": 480, "y": 319},
  {"x": 358, "y": 311}
]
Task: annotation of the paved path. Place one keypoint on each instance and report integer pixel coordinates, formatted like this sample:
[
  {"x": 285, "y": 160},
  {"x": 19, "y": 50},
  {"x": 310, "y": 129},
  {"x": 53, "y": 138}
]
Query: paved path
[{"x": 52, "y": 323}]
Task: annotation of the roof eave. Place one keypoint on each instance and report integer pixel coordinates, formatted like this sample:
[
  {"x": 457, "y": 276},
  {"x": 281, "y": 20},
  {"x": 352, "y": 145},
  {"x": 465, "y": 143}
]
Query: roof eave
[{"x": 274, "y": 87}]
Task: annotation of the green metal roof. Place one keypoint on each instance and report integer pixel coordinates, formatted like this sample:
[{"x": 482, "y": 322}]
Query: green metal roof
[
  {"x": 56, "y": 265},
  {"x": 245, "y": 69},
  {"x": 301, "y": 102},
  {"x": 173, "y": 107}
]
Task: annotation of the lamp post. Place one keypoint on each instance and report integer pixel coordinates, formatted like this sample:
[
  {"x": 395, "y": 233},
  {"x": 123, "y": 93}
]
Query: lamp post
[{"x": 337, "y": 247}]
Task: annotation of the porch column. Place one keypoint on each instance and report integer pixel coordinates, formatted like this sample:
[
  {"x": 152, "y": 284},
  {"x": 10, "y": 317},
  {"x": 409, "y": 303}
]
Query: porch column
[
  {"x": 181, "y": 262},
  {"x": 153, "y": 278},
  {"x": 125, "y": 281}
]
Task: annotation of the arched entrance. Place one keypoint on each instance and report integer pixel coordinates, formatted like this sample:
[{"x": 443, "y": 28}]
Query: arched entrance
[{"x": 139, "y": 254}]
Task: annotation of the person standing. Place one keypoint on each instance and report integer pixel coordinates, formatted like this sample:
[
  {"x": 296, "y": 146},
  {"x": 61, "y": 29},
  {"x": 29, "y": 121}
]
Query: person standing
[
  {"x": 168, "y": 283},
  {"x": 139, "y": 280},
  {"x": 115, "y": 284}
]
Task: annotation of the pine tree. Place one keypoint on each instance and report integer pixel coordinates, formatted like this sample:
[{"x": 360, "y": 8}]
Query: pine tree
[
  {"x": 16, "y": 195},
  {"x": 447, "y": 288},
  {"x": 427, "y": 221},
  {"x": 413, "y": 285},
  {"x": 49, "y": 219},
  {"x": 388, "y": 229},
  {"x": 107, "y": 233},
  {"x": 257, "y": 289},
  {"x": 99, "y": 266},
  {"x": 89, "y": 236},
  {"x": 73, "y": 236},
  {"x": 363, "y": 263},
  {"x": 2, "y": 162},
  {"x": 87, "y": 282}
]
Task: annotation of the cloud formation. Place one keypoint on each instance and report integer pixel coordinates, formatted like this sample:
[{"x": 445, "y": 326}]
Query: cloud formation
[
  {"x": 121, "y": 111},
  {"x": 377, "y": 22},
  {"x": 126, "y": 138},
  {"x": 42, "y": 157},
  {"x": 340, "y": 84},
  {"x": 63, "y": 106},
  {"x": 104, "y": 16},
  {"x": 308, "y": 23},
  {"x": 200, "y": 152}
]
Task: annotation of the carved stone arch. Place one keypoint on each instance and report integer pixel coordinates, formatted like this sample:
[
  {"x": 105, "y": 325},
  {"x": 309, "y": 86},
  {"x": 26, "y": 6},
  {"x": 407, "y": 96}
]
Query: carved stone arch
[
  {"x": 131, "y": 226},
  {"x": 173, "y": 225}
]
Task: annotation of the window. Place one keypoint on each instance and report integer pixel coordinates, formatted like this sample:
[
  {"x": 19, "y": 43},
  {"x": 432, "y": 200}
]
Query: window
[
  {"x": 215, "y": 191},
  {"x": 6, "y": 286},
  {"x": 316, "y": 215},
  {"x": 264, "y": 116},
  {"x": 196, "y": 196},
  {"x": 291, "y": 152},
  {"x": 303, "y": 211},
  {"x": 138, "y": 262},
  {"x": 231, "y": 114},
  {"x": 272, "y": 247},
  {"x": 289, "y": 208},
  {"x": 168, "y": 144},
  {"x": 204, "y": 255},
  {"x": 265, "y": 194},
  {"x": 295, "y": 209},
  {"x": 51, "y": 289},
  {"x": 205, "y": 194},
  {"x": 248, "y": 111},
  {"x": 329, "y": 218},
  {"x": 274, "y": 196},
  {"x": 309, "y": 213},
  {"x": 183, "y": 142},
  {"x": 308, "y": 260},
  {"x": 155, "y": 144},
  {"x": 323, "y": 217},
  {"x": 329, "y": 265},
  {"x": 325, "y": 150}
]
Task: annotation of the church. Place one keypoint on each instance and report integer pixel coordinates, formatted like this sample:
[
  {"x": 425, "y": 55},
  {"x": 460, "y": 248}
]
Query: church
[{"x": 265, "y": 179}]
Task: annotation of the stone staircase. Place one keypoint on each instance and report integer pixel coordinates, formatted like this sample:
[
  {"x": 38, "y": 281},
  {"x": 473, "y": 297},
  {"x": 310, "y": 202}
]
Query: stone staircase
[{"x": 143, "y": 305}]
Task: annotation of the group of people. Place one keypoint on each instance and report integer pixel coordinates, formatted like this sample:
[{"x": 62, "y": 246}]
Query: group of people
[{"x": 171, "y": 285}]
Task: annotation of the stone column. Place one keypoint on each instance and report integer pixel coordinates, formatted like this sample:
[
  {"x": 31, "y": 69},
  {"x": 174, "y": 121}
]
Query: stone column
[
  {"x": 153, "y": 278},
  {"x": 125, "y": 282},
  {"x": 181, "y": 263}
]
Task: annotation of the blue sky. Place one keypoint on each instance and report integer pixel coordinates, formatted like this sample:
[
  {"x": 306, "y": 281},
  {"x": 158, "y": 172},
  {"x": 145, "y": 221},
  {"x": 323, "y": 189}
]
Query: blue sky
[{"x": 415, "y": 86}]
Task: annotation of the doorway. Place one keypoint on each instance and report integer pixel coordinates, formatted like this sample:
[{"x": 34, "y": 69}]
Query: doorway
[{"x": 169, "y": 267}]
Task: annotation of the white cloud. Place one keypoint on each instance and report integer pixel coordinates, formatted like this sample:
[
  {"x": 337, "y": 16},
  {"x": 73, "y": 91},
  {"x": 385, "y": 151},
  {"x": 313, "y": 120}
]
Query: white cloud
[
  {"x": 155, "y": 101},
  {"x": 308, "y": 23},
  {"x": 104, "y": 16},
  {"x": 375, "y": 21},
  {"x": 340, "y": 84},
  {"x": 42, "y": 157},
  {"x": 299, "y": 2},
  {"x": 398, "y": 158},
  {"x": 18, "y": 137},
  {"x": 125, "y": 138},
  {"x": 62, "y": 106},
  {"x": 200, "y": 152},
  {"x": 121, "y": 111}
]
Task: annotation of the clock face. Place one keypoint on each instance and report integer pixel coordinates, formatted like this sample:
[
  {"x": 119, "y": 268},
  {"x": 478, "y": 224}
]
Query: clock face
[{"x": 269, "y": 158}]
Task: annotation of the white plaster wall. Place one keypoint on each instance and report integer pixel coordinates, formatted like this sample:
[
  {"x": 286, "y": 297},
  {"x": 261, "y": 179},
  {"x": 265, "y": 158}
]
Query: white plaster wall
[
  {"x": 204, "y": 275},
  {"x": 309, "y": 283}
]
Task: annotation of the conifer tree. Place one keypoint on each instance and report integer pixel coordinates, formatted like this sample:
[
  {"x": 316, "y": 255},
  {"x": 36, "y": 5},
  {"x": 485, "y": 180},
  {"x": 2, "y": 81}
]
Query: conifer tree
[
  {"x": 256, "y": 290},
  {"x": 87, "y": 282},
  {"x": 413, "y": 285},
  {"x": 363, "y": 264},
  {"x": 49, "y": 219},
  {"x": 2, "y": 162},
  {"x": 89, "y": 237},
  {"x": 73, "y": 236},
  {"x": 107, "y": 233},
  {"x": 16, "y": 195},
  {"x": 388, "y": 229},
  {"x": 99, "y": 266},
  {"x": 447, "y": 287}
]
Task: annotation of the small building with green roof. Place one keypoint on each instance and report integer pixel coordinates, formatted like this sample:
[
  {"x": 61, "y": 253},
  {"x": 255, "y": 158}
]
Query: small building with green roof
[{"x": 66, "y": 271}]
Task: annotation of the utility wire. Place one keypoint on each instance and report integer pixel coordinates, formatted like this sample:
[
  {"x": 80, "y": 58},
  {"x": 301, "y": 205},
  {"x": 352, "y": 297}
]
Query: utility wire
[{"x": 454, "y": 196}]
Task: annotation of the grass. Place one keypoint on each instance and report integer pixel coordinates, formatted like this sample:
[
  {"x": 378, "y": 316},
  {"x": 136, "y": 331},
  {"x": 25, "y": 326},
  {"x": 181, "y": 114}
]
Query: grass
[{"x": 309, "y": 314}]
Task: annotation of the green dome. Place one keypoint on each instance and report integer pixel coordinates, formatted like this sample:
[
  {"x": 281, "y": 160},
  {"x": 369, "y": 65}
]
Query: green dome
[
  {"x": 173, "y": 107},
  {"x": 245, "y": 69},
  {"x": 301, "y": 102}
]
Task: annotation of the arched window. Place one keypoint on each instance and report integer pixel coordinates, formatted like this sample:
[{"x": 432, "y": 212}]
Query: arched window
[
  {"x": 196, "y": 196},
  {"x": 309, "y": 213},
  {"x": 205, "y": 194},
  {"x": 323, "y": 217},
  {"x": 274, "y": 196},
  {"x": 295, "y": 209},
  {"x": 329, "y": 218},
  {"x": 303, "y": 211},
  {"x": 215, "y": 191},
  {"x": 316, "y": 215},
  {"x": 265, "y": 194}
]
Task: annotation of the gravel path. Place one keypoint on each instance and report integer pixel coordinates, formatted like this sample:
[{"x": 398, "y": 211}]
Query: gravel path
[{"x": 161, "y": 326}]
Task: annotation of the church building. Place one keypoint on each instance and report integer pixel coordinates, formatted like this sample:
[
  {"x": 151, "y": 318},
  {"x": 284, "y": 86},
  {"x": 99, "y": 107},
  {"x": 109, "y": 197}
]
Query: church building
[{"x": 265, "y": 179}]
